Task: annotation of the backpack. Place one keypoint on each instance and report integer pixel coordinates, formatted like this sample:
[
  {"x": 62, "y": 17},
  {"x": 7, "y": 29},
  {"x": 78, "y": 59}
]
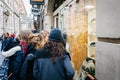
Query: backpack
[
  {"x": 87, "y": 69},
  {"x": 4, "y": 69},
  {"x": 27, "y": 65}
]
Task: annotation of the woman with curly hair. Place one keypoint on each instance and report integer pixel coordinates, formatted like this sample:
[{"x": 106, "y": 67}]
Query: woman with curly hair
[
  {"x": 52, "y": 61},
  {"x": 45, "y": 35}
]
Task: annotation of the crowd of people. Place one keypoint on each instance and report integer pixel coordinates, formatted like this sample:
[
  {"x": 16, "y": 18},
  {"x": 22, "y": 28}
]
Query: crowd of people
[{"x": 41, "y": 56}]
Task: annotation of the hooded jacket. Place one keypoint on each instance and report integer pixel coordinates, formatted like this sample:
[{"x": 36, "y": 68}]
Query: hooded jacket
[
  {"x": 15, "y": 55},
  {"x": 11, "y": 51}
]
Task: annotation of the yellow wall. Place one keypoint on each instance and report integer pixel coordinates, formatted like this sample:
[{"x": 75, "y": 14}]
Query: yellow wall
[{"x": 76, "y": 29}]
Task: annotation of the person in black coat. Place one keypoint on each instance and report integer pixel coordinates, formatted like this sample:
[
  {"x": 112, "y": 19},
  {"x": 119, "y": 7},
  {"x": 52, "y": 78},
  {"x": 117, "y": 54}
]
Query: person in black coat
[
  {"x": 27, "y": 67},
  {"x": 5, "y": 40},
  {"x": 14, "y": 53}
]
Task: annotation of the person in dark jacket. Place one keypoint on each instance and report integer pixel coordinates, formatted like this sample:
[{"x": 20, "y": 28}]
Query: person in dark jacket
[
  {"x": 27, "y": 67},
  {"x": 52, "y": 62},
  {"x": 5, "y": 40},
  {"x": 24, "y": 34},
  {"x": 13, "y": 52}
]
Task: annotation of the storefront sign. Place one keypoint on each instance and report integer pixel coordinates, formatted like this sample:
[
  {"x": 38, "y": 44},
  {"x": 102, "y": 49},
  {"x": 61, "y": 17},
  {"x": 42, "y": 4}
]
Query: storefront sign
[
  {"x": 37, "y": 2},
  {"x": 35, "y": 11}
]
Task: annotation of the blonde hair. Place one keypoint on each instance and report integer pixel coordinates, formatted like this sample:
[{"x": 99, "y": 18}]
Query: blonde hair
[
  {"x": 45, "y": 35},
  {"x": 36, "y": 40},
  {"x": 41, "y": 41}
]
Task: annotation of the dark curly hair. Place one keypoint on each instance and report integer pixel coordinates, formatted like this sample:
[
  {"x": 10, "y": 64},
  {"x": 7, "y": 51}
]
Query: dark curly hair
[{"x": 56, "y": 49}]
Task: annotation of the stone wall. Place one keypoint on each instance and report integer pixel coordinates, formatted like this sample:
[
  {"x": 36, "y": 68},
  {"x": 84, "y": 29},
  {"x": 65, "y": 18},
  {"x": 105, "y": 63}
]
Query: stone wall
[
  {"x": 1, "y": 18},
  {"x": 108, "y": 46}
]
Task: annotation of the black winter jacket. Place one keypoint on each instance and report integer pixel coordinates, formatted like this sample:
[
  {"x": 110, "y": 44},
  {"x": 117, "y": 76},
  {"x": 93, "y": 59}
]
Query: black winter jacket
[
  {"x": 27, "y": 67},
  {"x": 15, "y": 54}
]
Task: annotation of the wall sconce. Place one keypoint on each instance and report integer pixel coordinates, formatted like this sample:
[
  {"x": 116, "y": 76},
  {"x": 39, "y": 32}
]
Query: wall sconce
[
  {"x": 35, "y": 18},
  {"x": 89, "y": 4},
  {"x": 77, "y": 1},
  {"x": 6, "y": 12}
]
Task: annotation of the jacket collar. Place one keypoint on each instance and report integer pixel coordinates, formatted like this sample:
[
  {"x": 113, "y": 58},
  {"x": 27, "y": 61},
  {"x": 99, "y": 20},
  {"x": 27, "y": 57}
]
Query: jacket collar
[{"x": 11, "y": 51}]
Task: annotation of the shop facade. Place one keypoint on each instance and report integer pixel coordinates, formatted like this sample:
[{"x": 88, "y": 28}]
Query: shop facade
[{"x": 77, "y": 18}]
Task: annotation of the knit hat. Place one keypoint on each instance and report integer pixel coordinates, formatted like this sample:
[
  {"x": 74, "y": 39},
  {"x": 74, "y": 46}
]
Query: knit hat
[{"x": 56, "y": 35}]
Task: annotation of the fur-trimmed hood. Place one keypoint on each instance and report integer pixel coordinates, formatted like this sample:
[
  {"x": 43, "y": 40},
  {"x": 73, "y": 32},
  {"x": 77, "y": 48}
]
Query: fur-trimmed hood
[{"x": 11, "y": 51}]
